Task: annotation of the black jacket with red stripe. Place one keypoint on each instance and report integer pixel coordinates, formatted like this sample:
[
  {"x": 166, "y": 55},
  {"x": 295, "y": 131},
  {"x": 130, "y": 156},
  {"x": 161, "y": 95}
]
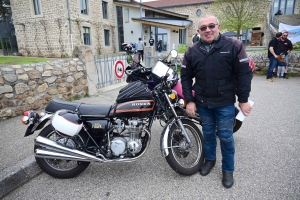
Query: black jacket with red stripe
[{"x": 219, "y": 74}]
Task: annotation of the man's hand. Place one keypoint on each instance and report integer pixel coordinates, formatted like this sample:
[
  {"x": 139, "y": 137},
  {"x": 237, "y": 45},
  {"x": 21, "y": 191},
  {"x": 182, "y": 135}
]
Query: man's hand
[
  {"x": 191, "y": 108},
  {"x": 245, "y": 108}
]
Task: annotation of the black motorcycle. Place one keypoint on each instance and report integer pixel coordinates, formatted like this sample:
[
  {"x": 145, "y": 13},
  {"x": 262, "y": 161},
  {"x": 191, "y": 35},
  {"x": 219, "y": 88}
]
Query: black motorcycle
[{"x": 81, "y": 133}]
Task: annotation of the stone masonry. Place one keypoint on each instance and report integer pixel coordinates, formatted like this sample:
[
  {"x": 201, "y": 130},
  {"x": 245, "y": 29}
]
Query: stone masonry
[
  {"x": 48, "y": 34},
  {"x": 32, "y": 86}
]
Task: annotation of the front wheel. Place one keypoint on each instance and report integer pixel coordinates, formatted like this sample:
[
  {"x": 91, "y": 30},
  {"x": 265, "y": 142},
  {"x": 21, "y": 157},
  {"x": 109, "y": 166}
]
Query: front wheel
[
  {"x": 61, "y": 168},
  {"x": 237, "y": 123},
  {"x": 183, "y": 159}
]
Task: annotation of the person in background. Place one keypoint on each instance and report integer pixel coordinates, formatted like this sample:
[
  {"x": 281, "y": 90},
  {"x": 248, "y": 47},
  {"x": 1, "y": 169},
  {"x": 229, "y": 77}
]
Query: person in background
[
  {"x": 139, "y": 45},
  {"x": 273, "y": 52},
  {"x": 196, "y": 38},
  {"x": 286, "y": 46},
  {"x": 281, "y": 65},
  {"x": 220, "y": 67},
  {"x": 151, "y": 41},
  {"x": 159, "y": 45}
]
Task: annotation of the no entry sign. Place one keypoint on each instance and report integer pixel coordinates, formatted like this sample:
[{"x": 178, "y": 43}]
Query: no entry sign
[{"x": 119, "y": 69}]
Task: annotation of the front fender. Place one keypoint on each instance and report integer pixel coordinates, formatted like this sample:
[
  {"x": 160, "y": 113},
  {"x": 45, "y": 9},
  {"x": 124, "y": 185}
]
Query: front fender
[{"x": 164, "y": 136}]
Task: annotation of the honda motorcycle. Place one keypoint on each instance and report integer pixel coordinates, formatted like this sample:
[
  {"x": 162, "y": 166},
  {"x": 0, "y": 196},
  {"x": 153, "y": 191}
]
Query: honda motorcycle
[
  {"x": 136, "y": 71},
  {"x": 81, "y": 133}
]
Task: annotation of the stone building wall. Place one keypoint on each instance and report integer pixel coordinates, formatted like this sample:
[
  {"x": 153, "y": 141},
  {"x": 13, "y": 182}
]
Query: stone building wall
[
  {"x": 32, "y": 86},
  {"x": 48, "y": 34}
]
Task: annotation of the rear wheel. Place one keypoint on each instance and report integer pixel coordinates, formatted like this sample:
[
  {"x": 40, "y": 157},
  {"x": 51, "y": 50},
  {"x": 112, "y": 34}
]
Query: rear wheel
[
  {"x": 183, "y": 159},
  {"x": 61, "y": 168}
]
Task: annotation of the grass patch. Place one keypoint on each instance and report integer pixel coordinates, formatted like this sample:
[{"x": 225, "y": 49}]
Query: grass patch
[{"x": 15, "y": 60}]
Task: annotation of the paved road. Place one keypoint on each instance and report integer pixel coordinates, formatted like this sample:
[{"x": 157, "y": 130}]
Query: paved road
[{"x": 267, "y": 159}]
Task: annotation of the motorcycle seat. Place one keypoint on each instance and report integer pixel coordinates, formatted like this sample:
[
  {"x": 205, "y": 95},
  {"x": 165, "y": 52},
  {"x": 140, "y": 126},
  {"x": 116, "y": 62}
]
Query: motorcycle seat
[
  {"x": 82, "y": 109},
  {"x": 94, "y": 110}
]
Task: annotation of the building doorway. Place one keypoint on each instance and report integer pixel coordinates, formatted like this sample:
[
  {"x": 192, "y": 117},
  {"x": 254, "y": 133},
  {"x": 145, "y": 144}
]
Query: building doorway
[{"x": 160, "y": 33}]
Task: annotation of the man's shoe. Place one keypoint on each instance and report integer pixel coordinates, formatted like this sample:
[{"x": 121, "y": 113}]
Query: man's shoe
[
  {"x": 270, "y": 80},
  {"x": 227, "y": 180},
  {"x": 207, "y": 166},
  {"x": 285, "y": 76},
  {"x": 273, "y": 78}
]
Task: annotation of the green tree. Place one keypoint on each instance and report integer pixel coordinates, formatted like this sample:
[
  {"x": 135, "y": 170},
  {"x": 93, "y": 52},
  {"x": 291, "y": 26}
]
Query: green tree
[
  {"x": 5, "y": 9},
  {"x": 238, "y": 15}
]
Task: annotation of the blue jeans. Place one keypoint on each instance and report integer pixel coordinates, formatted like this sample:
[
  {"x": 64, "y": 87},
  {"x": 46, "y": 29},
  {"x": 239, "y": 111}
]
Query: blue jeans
[
  {"x": 218, "y": 120},
  {"x": 272, "y": 65}
]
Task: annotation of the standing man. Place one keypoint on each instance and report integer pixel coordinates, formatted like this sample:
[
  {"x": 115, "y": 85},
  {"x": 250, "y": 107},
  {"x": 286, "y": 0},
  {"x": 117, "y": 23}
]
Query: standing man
[
  {"x": 139, "y": 45},
  {"x": 196, "y": 38},
  {"x": 286, "y": 46},
  {"x": 220, "y": 67},
  {"x": 273, "y": 52},
  {"x": 151, "y": 41},
  {"x": 159, "y": 45}
]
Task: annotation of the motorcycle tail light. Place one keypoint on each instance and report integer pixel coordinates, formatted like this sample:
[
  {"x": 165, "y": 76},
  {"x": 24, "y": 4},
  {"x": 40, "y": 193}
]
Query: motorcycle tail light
[{"x": 26, "y": 113}]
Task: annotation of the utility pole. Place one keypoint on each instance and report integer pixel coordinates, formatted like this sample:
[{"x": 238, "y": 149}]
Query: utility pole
[{"x": 141, "y": 19}]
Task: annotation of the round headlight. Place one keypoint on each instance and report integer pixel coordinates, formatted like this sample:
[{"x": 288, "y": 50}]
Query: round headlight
[{"x": 182, "y": 103}]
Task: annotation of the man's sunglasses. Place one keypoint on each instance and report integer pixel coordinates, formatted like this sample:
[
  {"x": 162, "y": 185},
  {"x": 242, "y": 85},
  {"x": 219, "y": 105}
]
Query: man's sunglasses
[
  {"x": 284, "y": 35},
  {"x": 211, "y": 26}
]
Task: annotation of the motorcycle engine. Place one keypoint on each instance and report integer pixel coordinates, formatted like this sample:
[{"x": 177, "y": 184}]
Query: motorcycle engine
[{"x": 129, "y": 142}]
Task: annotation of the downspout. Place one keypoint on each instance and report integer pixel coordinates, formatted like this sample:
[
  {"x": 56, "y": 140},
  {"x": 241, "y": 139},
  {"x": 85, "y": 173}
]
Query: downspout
[{"x": 70, "y": 25}]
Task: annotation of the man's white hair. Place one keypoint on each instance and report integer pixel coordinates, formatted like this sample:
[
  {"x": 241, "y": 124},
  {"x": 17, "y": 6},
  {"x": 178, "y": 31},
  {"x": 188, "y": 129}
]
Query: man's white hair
[{"x": 209, "y": 15}]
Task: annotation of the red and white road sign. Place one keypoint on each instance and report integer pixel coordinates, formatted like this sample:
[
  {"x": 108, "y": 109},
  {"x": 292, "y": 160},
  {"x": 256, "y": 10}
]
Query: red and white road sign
[{"x": 119, "y": 69}]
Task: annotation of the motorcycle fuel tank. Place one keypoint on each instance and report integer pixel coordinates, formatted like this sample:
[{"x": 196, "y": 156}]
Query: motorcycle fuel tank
[{"x": 137, "y": 108}]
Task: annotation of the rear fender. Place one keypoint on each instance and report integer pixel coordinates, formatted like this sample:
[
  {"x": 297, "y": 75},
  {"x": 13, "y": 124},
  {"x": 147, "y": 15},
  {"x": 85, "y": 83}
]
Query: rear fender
[
  {"x": 164, "y": 136},
  {"x": 37, "y": 125}
]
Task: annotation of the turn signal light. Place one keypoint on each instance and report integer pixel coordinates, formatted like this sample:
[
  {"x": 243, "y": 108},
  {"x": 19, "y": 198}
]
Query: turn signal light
[
  {"x": 25, "y": 120},
  {"x": 172, "y": 96}
]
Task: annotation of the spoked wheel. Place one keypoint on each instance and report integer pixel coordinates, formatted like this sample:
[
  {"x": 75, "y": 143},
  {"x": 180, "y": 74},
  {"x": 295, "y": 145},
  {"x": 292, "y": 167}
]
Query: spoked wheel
[
  {"x": 61, "y": 168},
  {"x": 182, "y": 158}
]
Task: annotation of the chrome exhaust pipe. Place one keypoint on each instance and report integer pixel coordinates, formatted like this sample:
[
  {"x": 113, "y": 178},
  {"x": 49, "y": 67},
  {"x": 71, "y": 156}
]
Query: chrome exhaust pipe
[
  {"x": 53, "y": 150},
  {"x": 48, "y": 154},
  {"x": 56, "y": 150}
]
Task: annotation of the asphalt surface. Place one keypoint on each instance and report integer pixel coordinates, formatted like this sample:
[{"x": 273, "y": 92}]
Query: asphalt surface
[{"x": 267, "y": 159}]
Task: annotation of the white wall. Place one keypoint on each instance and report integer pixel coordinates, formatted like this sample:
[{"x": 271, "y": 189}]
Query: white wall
[{"x": 132, "y": 26}]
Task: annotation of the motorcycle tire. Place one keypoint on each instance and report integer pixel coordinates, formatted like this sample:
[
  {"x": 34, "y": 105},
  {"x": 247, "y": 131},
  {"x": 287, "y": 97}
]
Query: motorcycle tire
[
  {"x": 181, "y": 159},
  {"x": 237, "y": 123},
  {"x": 55, "y": 167}
]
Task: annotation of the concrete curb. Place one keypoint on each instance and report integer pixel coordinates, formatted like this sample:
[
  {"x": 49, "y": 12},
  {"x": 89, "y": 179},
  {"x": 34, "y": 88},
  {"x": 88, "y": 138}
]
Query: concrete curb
[{"x": 15, "y": 176}]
